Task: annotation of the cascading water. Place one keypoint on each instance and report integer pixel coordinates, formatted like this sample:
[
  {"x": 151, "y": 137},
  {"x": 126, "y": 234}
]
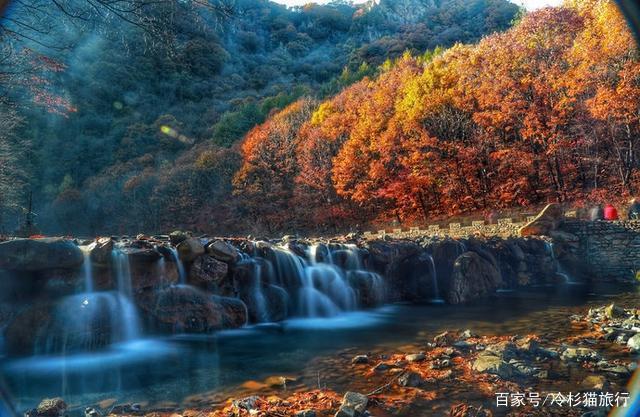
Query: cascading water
[
  {"x": 258, "y": 296},
  {"x": 434, "y": 277},
  {"x": 86, "y": 321},
  {"x": 123, "y": 278},
  {"x": 559, "y": 269},
  {"x": 182, "y": 274},
  {"x": 324, "y": 283},
  {"x": 87, "y": 268}
]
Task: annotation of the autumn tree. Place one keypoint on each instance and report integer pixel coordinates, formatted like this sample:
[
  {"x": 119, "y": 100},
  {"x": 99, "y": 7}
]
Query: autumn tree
[{"x": 265, "y": 183}]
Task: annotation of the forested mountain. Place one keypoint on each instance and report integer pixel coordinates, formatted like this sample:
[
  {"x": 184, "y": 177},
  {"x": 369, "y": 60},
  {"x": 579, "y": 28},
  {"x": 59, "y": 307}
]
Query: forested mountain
[
  {"x": 546, "y": 111},
  {"x": 124, "y": 125}
]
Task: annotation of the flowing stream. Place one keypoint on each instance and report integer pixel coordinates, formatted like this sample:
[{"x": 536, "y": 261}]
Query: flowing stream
[{"x": 173, "y": 368}]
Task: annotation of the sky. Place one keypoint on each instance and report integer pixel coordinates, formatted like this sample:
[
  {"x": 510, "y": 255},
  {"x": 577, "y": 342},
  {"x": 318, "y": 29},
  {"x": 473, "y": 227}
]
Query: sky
[{"x": 529, "y": 4}]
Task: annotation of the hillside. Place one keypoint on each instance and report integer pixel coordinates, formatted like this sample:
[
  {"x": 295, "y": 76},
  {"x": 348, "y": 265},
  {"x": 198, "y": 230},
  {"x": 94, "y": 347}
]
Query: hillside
[
  {"x": 544, "y": 112},
  {"x": 130, "y": 132}
]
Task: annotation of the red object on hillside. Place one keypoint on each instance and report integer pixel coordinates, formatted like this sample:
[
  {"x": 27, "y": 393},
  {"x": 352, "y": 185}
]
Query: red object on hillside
[{"x": 610, "y": 212}]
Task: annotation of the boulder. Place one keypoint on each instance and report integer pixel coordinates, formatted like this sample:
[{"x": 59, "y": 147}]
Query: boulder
[
  {"x": 634, "y": 343},
  {"x": 51, "y": 407},
  {"x": 411, "y": 278},
  {"x": 360, "y": 360},
  {"x": 306, "y": 413},
  {"x": 547, "y": 221},
  {"x": 101, "y": 251},
  {"x": 410, "y": 379},
  {"x": 353, "y": 405},
  {"x": 368, "y": 286},
  {"x": 491, "y": 364},
  {"x": 223, "y": 251},
  {"x": 473, "y": 277},
  {"x": 445, "y": 339},
  {"x": 235, "y": 311},
  {"x": 190, "y": 249},
  {"x": 21, "y": 333},
  {"x": 383, "y": 254},
  {"x": 207, "y": 270},
  {"x": 416, "y": 357},
  {"x": 39, "y": 254},
  {"x": 177, "y": 236},
  {"x": 613, "y": 311},
  {"x": 187, "y": 309},
  {"x": 579, "y": 354}
]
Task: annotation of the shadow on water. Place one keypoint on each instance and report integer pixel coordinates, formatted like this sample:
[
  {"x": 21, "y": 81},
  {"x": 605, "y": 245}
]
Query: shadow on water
[{"x": 170, "y": 369}]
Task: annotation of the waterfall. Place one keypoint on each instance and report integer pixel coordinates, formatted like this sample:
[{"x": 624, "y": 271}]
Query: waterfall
[
  {"x": 259, "y": 300},
  {"x": 123, "y": 279},
  {"x": 566, "y": 278},
  {"x": 87, "y": 268},
  {"x": 182, "y": 275},
  {"x": 86, "y": 321},
  {"x": 328, "y": 280},
  {"x": 434, "y": 278},
  {"x": 123, "y": 272}
]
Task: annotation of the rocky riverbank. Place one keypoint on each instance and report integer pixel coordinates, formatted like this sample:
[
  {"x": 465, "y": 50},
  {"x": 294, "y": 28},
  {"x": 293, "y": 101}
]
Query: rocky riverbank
[{"x": 457, "y": 373}]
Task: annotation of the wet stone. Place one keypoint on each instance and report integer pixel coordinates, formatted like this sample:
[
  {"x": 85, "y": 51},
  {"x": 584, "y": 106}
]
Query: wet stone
[
  {"x": 51, "y": 407},
  {"x": 360, "y": 359},
  {"x": 416, "y": 357},
  {"x": 580, "y": 355},
  {"x": 410, "y": 379},
  {"x": 353, "y": 405}
]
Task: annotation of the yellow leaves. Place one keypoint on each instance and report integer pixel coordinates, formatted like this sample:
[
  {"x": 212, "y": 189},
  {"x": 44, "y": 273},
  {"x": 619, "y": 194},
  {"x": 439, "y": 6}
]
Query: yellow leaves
[{"x": 321, "y": 114}]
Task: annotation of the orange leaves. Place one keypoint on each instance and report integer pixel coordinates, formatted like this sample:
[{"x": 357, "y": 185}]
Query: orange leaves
[{"x": 545, "y": 111}]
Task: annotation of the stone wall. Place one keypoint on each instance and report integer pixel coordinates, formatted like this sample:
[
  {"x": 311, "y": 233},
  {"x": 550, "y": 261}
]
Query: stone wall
[
  {"x": 610, "y": 250},
  {"x": 504, "y": 228}
]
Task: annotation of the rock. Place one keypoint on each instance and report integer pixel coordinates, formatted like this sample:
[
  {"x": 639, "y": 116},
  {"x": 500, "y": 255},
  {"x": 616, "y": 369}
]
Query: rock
[
  {"x": 547, "y": 221},
  {"x": 594, "y": 382},
  {"x": 493, "y": 365},
  {"x": 187, "y": 309},
  {"x": 39, "y": 254},
  {"x": 445, "y": 339},
  {"x": 613, "y": 311},
  {"x": 207, "y": 270},
  {"x": 190, "y": 249},
  {"x": 473, "y": 277},
  {"x": 176, "y": 237},
  {"x": 101, "y": 251},
  {"x": 353, "y": 405},
  {"x": 634, "y": 343},
  {"x": 234, "y": 311},
  {"x": 91, "y": 412},
  {"x": 410, "y": 379},
  {"x": 367, "y": 286},
  {"x": 247, "y": 403},
  {"x": 416, "y": 357},
  {"x": 467, "y": 334},
  {"x": 51, "y": 407},
  {"x": 306, "y": 413},
  {"x": 223, "y": 251},
  {"x": 360, "y": 359},
  {"x": 578, "y": 354}
]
